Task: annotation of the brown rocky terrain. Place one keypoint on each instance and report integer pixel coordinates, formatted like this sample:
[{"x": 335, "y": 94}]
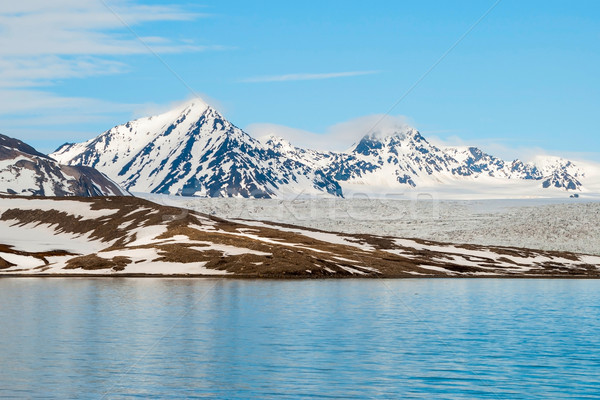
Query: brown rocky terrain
[{"x": 128, "y": 236}]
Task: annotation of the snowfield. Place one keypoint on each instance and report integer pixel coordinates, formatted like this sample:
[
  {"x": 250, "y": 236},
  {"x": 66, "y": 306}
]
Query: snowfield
[{"x": 546, "y": 224}]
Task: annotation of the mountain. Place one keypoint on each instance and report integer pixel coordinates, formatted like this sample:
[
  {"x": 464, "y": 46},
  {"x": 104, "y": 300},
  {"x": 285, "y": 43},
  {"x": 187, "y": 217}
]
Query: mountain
[
  {"x": 404, "y": 156},
  {"x": 25, "y": 171},
  {"x": 194, "y": 151}
]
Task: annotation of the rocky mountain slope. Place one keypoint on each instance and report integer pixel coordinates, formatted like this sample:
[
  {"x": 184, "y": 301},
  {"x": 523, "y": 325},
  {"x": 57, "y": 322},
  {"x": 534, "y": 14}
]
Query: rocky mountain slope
[
  {"x": 406, "y": 157},
  {"x": 194, "y": 150},
  {"x": 25, "y": 171},
  {"x": 128, "y": 236}
]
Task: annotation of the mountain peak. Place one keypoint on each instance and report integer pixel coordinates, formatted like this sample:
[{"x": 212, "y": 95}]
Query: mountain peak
[
  {"x": 389, "y": 137},
  {"x": 195, "y": 103},
  {"x": 396, "y": 131},
  {"x": 193, "y": 107},
  {"x": 11, "y": 143},
  {"x": 274, "y": 140},
  {"x": 278, "y": 144},
  {"x": 27, "y": 172}
]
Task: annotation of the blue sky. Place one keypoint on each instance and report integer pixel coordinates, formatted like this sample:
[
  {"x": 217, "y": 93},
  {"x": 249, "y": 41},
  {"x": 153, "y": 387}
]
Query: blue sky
[{"x": 524, "y": 79}]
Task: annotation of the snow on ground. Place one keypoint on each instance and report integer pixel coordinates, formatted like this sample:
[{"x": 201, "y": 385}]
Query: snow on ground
[
  {"x": 321, "y": 236},
  {"x": 353, "y": 271},
  {"x": 162, "y": 268},
  {"x": 44, "y": 238},
  {"x": 139, "y": 210},
  {"x": 143, "y": 262},
  {"x": 490, "y": 259},
  {"x": 228, "y": 250},
  {"x": 72, "y": 207},
  {"x": 592, "y": 260},
  {"x": 245, "y": 233},
  {"x": 546, "y": 224},
  {"x": 482, "y": 254},
  {"x": 21, "y": 261},
  {"x": 147, "y": 235},
  {"x": 439, "y": 269}
]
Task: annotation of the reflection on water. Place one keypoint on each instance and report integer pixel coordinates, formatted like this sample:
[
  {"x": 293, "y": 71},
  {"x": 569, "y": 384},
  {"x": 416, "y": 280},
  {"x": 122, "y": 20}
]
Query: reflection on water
[{"x": 170, "y": 338}]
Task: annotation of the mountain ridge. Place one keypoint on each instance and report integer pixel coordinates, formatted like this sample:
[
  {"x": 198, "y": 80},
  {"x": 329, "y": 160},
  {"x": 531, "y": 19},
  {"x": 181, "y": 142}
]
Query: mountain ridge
[
  {"x": 25, "y": 171},
  {"x": 194, "y": 151}
]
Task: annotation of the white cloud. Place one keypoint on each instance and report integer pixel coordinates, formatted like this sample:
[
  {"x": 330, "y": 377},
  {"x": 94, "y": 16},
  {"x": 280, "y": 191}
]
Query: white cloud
[
  {"x": 151, "y": 109},
  {"x": 21, "y": 72},
  {"x": 91, "y": 27},
  {"x": 492, "y": 146},
  {"x": 297, "y": 137},
  {"x": 342, "y": 136},
  {"x": 337, "y": 137},
  {"x": 14, "y": 102},
  {"x": 40, "y": 118},
  {"x": 47, "y": 139},
  {"x": 499, "y": 147},
  {"x": 35, "y": 111},
  {"x": 307, "y": 76},
  {"x": 43, "y": 41}
]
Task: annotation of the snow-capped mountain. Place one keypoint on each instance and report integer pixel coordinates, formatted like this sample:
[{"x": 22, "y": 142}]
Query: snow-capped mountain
[
  {"x": 27, "y": 172},
  {"x": 406, "y": 157},
  {"x": 194, "y": 150}
]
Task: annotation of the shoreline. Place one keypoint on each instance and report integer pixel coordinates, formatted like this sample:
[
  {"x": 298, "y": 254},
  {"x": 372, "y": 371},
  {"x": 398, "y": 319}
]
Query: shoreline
[
  {"x": 295, "y": 278},
  {"x": 132, "y": 237}
]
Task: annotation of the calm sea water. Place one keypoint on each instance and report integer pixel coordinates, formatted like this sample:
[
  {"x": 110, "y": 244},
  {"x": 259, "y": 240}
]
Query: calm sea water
[{"x": 429, "y": 338}]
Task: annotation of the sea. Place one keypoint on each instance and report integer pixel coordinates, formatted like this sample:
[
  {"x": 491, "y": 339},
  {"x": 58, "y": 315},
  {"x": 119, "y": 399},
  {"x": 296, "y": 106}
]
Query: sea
[{"x": 146, "y": 338}]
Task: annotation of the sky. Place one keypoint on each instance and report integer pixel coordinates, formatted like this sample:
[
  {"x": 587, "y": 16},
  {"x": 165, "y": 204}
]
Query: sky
[{"x": 516, "y": 78}]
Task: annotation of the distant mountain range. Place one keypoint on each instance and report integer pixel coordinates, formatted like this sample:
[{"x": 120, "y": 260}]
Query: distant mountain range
[
  {"x": 27, "y": 172},
  {"x": 194, "y": 151}
]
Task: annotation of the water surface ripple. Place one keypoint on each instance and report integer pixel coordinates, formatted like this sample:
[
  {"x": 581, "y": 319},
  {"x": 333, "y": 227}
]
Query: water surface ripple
[{"x": 237, "y": 339}]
